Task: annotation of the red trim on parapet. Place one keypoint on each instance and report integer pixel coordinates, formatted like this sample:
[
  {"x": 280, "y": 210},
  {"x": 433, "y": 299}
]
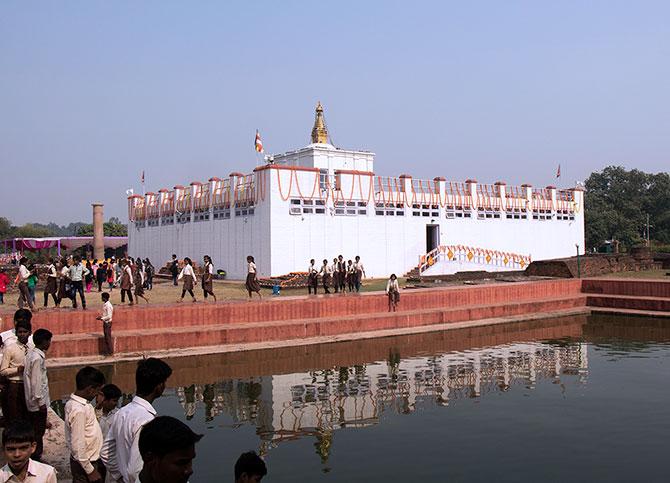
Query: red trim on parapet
[
  {"x": 470, "y": 180},
  {"x": 179, "y": 187},
  {"x": 163, "y": 190},
  {"x": 500, "y": 183},
  {"x": 551, "y": 187},
  {"x": 353, "y": 171},
  {"x": 526, "y": 185},
  {"x": 235, "y": 173},
  {"x": 214, "y": 178},
  {"x": 196, "y": 183},
  {"x": 439, "y": 178}
]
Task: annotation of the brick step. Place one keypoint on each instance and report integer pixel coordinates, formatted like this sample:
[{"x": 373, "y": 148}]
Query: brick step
[
  {"x": 636, "y": 287},
  {"x": 165, "y": 338},
  {"x": 151, "y": 316},
  {"x": 633, "y": 302}
]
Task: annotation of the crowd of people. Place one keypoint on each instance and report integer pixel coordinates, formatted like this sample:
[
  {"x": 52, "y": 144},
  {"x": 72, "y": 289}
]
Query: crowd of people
[
  {"x": 71, "y": 278},
  {"x": 105, "y": 443},
  {"x": 341, "y": 275}
]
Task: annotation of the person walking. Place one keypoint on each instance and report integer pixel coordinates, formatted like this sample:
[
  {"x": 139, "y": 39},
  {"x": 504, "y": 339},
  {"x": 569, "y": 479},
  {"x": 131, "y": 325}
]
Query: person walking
[
  {"x": 360, "y": 272},
  {"x": 252, "y": 284},
  {"x": 174, "y": 269},
  {"x": 208, "y": 277},
  {"x": 326, "y": 273},
  {"x": 89, "y": 276},
  {"x": 150, "y": 271},
  {"x": 312, "y": 277},
  {"x": 78, "y": 273},
  {"x": 32, "y": 282},
  {"x": 13, "y": 363},
  {"x": 22, "y": 279},
  {"x": 126, "y": 282},
  {"x": 111, "y": 274},
  {"x": 351, "y": 276},
  {"x": 138, "y": 282},
  {"x": 342, "y": 275},
  {"x": 101, "y": 275},
  {"x": 51, "y": 287},
  {"x": 393, "y": 292},
  {"x": 188, "y": 275}
]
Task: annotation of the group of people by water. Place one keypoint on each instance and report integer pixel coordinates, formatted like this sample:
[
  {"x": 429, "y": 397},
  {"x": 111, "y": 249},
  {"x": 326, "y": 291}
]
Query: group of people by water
[
  {"x": 105, "y": 442},
  {"x": 71, "y": 278}
]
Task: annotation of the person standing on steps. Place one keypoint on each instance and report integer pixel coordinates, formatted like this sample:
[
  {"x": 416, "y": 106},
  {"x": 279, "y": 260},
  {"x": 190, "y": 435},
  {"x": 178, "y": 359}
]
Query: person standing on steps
[
  {"x": 393, "y": 292},
  {"x": 312, "y": 277},
  {"x": 326, "y": 273},
  {"x": 188, "y": 275},
  {"x": 252, "y": 284},
  {"x": 208, "y": 277}
]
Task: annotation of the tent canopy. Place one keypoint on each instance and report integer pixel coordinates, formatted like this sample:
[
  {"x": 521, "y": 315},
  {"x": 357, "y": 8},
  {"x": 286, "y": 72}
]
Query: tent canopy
[{"x": 68, "y": 242}]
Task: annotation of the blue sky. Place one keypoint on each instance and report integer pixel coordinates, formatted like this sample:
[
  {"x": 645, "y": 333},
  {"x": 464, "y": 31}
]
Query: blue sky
[{"x": 94, "y": 92}]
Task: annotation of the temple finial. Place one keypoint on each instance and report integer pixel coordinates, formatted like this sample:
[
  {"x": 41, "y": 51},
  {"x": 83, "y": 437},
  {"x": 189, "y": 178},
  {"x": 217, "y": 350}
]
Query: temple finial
[{"x": 319, "y": 131}]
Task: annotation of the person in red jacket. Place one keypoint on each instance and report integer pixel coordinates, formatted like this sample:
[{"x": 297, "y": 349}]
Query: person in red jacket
[{"x": 4, "y": 280}]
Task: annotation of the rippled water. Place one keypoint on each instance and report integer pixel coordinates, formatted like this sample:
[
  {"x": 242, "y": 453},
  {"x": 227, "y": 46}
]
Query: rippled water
[{"x": 573, "y": 399}]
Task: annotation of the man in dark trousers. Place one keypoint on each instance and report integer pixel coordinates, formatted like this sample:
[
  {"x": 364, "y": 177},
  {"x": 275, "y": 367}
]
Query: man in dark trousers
[
  {"x": 174, "y": 269},
  {"x": 342, "y": 278}
]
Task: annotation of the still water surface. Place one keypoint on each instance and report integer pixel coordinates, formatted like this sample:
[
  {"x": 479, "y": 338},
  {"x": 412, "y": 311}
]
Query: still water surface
[{"x": 576, "y": 399}]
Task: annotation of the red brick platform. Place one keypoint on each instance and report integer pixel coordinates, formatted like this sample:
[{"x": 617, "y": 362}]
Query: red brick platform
[{"x": 143, "y": 329}]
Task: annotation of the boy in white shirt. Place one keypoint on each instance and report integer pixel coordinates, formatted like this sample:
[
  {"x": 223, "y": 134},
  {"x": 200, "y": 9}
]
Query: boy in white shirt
[
  {"x": 18, "y": 445},
  {"x": 106, "y": 406},
  {"x": 83, "y": 435},
  {"x": 36, "y": 387},
  {"x": 106, "y": 317}
]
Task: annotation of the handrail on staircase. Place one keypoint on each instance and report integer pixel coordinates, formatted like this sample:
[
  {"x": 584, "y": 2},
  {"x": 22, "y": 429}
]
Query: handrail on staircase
[{"x": 482, "y": 256}]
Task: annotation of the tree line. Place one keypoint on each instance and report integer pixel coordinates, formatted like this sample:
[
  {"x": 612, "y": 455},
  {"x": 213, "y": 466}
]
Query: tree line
[
  {"x": 113, "y": 227},
  {"x": 617, "y": 202}
]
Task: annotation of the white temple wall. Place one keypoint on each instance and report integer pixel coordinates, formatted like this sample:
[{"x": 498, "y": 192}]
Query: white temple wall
[{"x": 227, "y": 241}]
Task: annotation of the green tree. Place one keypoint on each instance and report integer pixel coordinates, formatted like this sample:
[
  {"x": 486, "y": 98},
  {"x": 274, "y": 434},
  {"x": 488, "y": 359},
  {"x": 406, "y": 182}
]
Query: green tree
[{"x": 617, "y": 203}]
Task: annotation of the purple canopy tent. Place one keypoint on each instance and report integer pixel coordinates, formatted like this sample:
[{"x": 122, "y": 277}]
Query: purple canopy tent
[{"x": 68, "y": 242}]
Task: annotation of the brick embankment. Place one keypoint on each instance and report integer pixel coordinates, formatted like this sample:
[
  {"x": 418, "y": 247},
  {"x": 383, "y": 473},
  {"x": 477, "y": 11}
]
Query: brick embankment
[
  {"x": 624, "y": 296},
  {"x": 146, "y": 329}
]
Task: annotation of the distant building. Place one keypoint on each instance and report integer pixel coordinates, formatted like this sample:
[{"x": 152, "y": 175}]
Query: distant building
[{"x": 321, "y": 201}]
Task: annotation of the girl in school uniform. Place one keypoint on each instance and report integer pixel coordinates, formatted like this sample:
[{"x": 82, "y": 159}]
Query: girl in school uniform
[
  {"x": 393, "y": 292},
  {"x": 189, "y": 277},
  {"x": 252, "y": 284},
  {"x": 208, "y": 278}
]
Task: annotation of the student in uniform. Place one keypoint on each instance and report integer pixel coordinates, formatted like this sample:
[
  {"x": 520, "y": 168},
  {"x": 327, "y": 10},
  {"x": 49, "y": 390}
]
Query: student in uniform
[
  {"x": 22, "y": 279},
  {"x": 126, "y": 282},
  {"x": 208, "y": 277},
  {"x": 342, "y": 269},
  {"x": 106, "y": 406},
  {"x": 326, "y": 273},
  {"x": 36, "y": 387},
  {"x": 78, "y": 273},
  {"x": 351, "y": 276},
  {"x": 312, "y": 277},
  {"x": 174, "y": 269},
  {"x": 120, "y": 452},
  {"x": 335, "y": 274},
  {"x": 83, "y": 435},
  {"x": 63, "y": 281},
  {"x": 138, "y": 282},
  {"x": 252, "y": 284},
  {"x": 250, "y": 468},
  {"x": 101, "y": 275},
  {"x": 167, "y": 447},
  {"x": 51, "y": 287},
  {"x": 393, "y": 292},
  {"x": 13, "y": 363},
  {"x": 18, "y": 445},
  {"x": 106, "y": 318},
  {"x": 360, "y": 272},
  {"x": 188, "y": 275}
]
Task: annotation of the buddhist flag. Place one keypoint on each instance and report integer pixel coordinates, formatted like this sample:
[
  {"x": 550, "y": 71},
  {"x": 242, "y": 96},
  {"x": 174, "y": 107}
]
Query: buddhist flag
[
  {"x": 258, "y": 144},
  {"x": 558, "y": 171}
]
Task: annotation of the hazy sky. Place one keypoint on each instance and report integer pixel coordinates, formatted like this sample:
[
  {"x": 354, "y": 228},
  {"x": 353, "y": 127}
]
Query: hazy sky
[{"x": 93, "y": 92}]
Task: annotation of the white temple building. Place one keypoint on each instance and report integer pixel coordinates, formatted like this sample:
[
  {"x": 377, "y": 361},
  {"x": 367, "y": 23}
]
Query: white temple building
[{"x": 321, "y": 201}]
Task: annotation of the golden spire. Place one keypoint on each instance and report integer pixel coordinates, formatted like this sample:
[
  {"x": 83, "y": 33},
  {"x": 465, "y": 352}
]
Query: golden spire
[{"x": 319, "y": 131}]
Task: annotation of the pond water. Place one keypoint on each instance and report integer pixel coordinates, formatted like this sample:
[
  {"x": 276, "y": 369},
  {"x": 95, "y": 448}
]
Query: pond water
[{"x": 574, "y": 399}]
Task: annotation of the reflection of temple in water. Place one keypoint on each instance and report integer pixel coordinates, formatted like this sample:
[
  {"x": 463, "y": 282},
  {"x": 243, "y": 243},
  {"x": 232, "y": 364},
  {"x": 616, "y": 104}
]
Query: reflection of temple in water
[{"x": 291, "y": 406}]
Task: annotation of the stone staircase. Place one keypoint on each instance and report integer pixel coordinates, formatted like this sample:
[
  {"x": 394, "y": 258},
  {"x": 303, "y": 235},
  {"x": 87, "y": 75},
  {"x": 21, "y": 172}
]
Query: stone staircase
[{"x": 635, "y": 297}]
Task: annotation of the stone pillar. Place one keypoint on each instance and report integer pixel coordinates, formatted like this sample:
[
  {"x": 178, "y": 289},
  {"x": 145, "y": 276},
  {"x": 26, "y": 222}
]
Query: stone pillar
[{"x": 98, "y": 232}]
